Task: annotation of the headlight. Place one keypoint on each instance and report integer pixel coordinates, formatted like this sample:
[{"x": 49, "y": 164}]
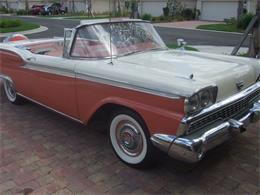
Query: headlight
[
  {"x": 192, "y": 104},
  {"x": 200, "y": 100},
  {"x": 205, "y": 98}
]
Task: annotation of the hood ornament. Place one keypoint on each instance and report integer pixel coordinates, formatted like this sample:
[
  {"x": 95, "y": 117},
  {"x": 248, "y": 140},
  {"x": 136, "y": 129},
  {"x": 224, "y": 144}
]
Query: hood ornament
[{"x": 240, "y": 85}]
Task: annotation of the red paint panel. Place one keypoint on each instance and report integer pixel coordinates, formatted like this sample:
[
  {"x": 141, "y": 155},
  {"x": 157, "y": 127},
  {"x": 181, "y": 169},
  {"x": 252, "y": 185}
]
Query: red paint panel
[
  {"x": 162, "y": 115},
  {"x": 11, "y": 64},
  {"x": 57, "y": 92},
  {"x": 10, "y": 58}
]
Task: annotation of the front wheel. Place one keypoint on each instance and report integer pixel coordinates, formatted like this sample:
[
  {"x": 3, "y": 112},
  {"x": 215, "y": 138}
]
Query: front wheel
[
  {"x": 130, "y": 141},
  {"x": 11, "y": 93}
]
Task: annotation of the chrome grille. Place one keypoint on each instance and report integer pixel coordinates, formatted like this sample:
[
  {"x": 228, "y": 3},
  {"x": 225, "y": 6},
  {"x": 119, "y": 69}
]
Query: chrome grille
[{"x": 226, "y": 112}]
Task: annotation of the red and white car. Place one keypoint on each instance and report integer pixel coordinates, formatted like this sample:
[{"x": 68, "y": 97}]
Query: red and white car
[{"x": 183, "y": 103}]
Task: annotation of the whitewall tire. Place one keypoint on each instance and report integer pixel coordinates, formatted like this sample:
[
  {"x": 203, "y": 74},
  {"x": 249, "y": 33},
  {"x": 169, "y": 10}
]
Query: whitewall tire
[
  {"x": 11, "y": 94},
  {"x": 130, "y": 139}
]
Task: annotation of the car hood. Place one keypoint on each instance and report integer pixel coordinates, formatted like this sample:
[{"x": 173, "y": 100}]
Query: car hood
[{"x": 192, "y": 71}]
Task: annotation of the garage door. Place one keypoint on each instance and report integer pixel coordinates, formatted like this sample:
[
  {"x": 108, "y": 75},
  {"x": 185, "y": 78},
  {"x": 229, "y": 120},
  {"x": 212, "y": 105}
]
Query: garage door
[
  {"x": 153, "y": 8},
  {"x": 218, "y": 11}
]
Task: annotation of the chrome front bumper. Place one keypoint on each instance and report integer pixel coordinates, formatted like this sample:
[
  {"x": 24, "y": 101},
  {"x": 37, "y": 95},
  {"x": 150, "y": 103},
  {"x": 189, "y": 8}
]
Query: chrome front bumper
[{"x": 191, "y": 148}]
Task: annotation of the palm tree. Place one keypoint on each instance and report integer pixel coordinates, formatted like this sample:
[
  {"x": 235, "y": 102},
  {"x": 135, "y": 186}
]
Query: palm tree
[
  {"x": 114, "y": 7},
  {"x": 6, "y": 4},
  {"x": 119, "y": 7},
  {"x": 73, "y": 6},
  {"x": 26, "y": 5},
  {"x": 240, "y": 8},
  {"x": 89, "y": 3}
]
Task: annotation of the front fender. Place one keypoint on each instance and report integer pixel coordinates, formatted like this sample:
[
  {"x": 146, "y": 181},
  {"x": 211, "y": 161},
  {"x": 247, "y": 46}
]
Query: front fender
[{"x": 158, "y": 120}]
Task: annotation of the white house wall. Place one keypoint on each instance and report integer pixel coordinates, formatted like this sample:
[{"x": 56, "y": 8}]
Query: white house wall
[
  {"x": 100, "y": 6},
  {"x": 251, "y": 6},
  {"x": 217, "y": 10},
  {"x": 155, "y": 7}
]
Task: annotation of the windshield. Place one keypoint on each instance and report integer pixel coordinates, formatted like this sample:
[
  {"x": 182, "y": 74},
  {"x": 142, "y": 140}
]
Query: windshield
[{"x": 126, "y": 38}]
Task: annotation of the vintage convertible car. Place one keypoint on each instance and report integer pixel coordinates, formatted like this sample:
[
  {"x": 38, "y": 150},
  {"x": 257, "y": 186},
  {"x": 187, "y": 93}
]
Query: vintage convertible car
[{"x": 183, "y": 103}]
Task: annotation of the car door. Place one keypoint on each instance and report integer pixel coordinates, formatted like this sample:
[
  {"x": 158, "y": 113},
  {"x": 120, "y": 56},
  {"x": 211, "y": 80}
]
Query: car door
[{"x": 54, "y": 83}]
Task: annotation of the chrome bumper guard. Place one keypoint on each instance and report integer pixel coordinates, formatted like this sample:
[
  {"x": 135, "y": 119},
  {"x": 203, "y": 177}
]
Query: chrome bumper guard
[{"x": 192, "y": 148}]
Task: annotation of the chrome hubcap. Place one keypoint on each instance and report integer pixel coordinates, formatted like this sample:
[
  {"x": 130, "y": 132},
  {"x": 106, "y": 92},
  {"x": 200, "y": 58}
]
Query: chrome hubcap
[
  {"x": 11, "y": 93},
  {"x": 129, "y": 138}
]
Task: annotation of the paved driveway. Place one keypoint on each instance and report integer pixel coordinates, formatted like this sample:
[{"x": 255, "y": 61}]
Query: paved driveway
[{"x": 43, "y": 153}]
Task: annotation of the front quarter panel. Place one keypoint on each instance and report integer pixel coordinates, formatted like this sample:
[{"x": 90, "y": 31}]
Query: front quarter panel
[{"x": 162, "y": 115}]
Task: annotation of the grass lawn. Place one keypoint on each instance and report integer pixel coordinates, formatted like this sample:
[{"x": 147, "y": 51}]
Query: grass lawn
[
  {"x": 221, "y": 27},
  {"x": 175, "y": 46},
  {"x": 21, "y": 27}
]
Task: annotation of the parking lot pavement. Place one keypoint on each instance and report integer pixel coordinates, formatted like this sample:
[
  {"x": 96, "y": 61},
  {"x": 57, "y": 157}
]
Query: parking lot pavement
[{"x": 44, "y": 153}]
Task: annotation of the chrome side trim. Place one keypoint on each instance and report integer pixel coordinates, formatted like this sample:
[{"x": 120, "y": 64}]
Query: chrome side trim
[
  {"x": 50, "y": 69},
  {"x": 97, "y": 79},
  {"x": 125, "y": 85},
  {"x": 49, "y": 108},
  {"x": 192, "y": 148}
]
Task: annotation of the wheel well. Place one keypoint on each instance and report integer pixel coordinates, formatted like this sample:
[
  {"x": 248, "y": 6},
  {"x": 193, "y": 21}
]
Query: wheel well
[{"x": 104, "y": 112}]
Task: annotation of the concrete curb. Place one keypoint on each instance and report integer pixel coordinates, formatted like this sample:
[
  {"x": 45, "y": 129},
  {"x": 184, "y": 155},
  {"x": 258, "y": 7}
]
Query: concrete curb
[
  {"x": 226, "y": 50},
  {"x": 214, "y": 31},
  {"x": 27, "y": 32}
]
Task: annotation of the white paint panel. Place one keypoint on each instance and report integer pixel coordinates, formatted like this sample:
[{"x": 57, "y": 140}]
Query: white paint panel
[
  {"x": 153, "y": 8},
  {"x": 218, "y": 11}
]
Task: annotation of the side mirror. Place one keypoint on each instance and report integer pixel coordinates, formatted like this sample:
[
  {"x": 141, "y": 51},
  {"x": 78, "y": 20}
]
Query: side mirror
[
  {"x": 67, "y": 42},
  {"x": 181, "y": 43}
]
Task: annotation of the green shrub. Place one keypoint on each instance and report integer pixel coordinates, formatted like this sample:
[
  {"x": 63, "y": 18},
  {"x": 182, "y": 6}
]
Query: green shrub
[
  {"x": 7, "y": 23},
  {"x": 154, "y": 19},
  {"x": 188, "y": 14},
  {"x": 162, "y": 18},
  {"x": 197, "y": 13},
  {"x": 125, "y": 13},
  {"x": 3, "y": 10},
  {"x": 231, "y": 21},
  {"x": 166, "y": 11},
  {"x": 244, "y": 20},
  {"x": 179, "y": 17},
  {"x": 147, "y": 17},
  {"x": 21, "y": 12},
  {"x": 10, "y": 11}
]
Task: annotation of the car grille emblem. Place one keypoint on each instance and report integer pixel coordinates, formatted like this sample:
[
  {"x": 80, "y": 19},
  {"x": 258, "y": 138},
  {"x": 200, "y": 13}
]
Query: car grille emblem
[{"x": 240, "y": 85}]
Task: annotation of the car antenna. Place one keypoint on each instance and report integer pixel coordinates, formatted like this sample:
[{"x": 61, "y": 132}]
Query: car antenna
[{"x": 110, "y": 34}]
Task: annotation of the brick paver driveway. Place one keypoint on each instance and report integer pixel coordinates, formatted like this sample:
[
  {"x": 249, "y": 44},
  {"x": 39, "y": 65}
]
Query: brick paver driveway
[{"x": 43, "y": 153}]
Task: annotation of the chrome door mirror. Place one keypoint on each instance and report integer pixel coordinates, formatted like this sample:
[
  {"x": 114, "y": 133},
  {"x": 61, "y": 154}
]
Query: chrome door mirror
[
  {"x": 67, "y": 42},
  {"x": 181, "y": 44}
]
